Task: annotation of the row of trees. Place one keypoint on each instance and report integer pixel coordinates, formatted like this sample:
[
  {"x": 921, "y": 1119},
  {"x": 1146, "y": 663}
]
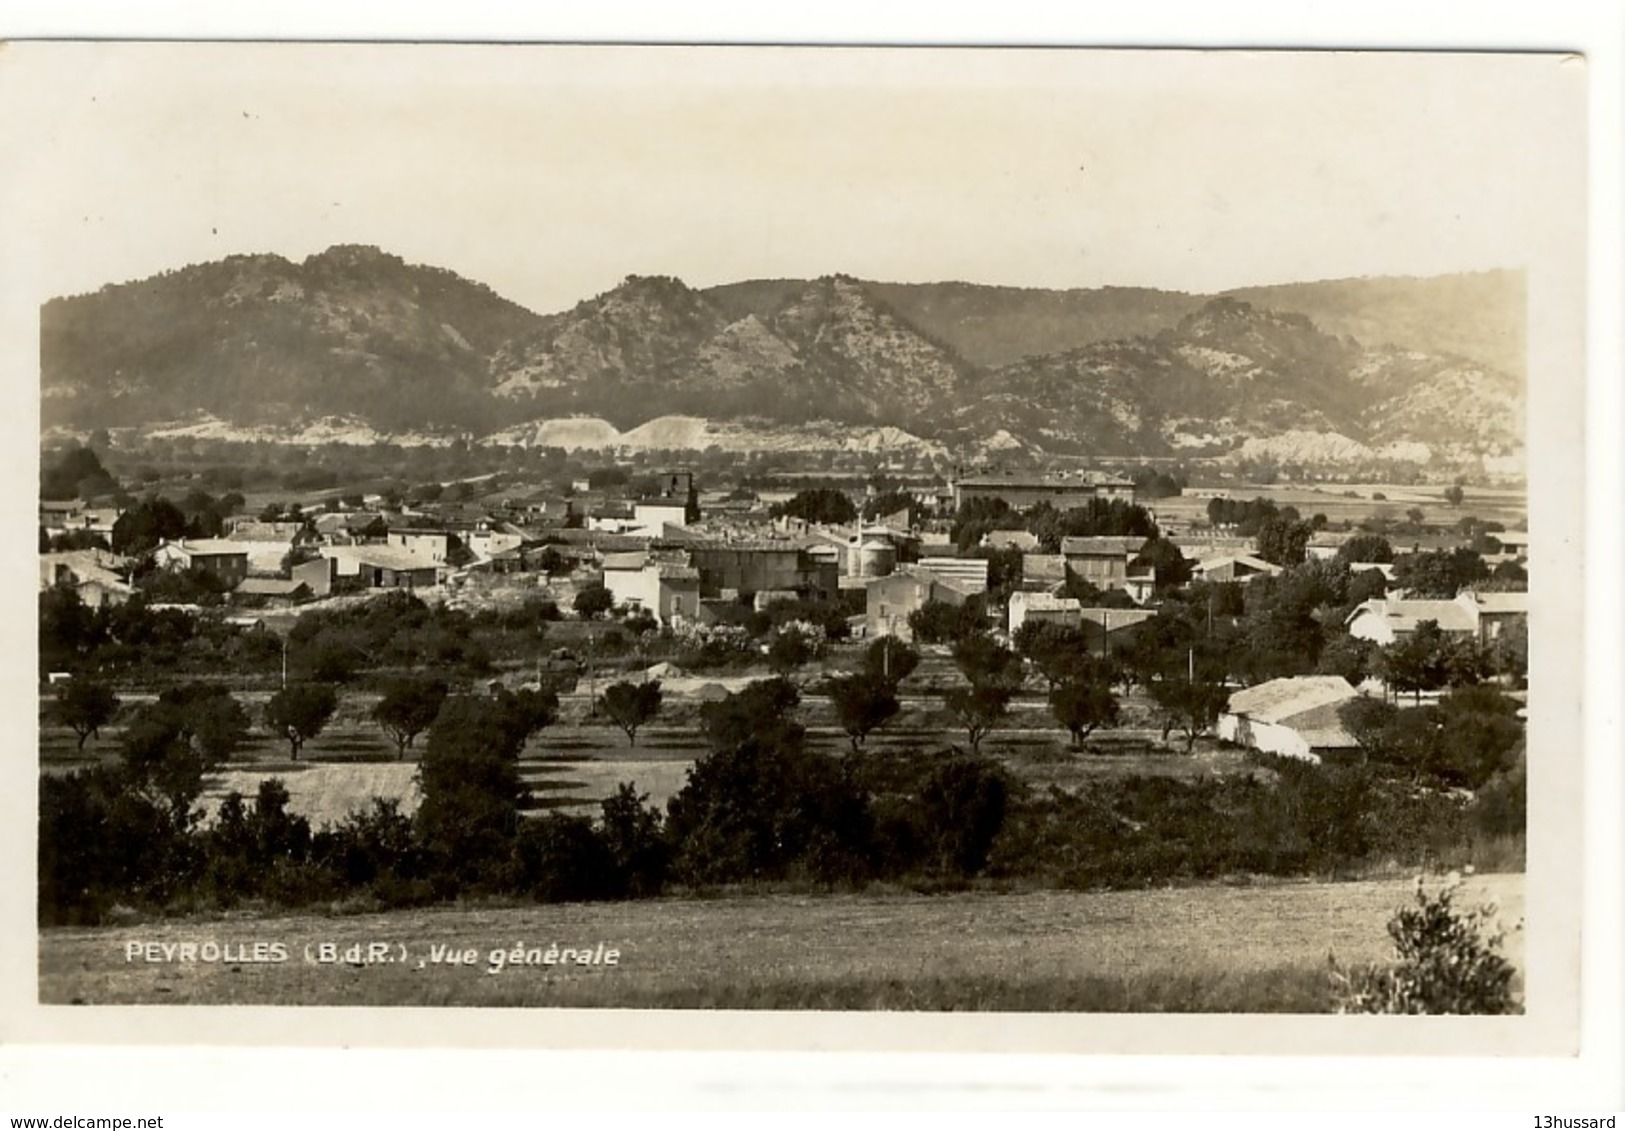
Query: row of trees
[{"x": 759, "y": 806}]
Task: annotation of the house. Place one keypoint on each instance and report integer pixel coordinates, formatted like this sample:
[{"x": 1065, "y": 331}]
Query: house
[
  {"x": 1103, "y": 561},
  {"x": 548, "y": 505},
  {"x": 430, "y": 543},
  {"x": 1043, "y": 572},
  {"x": 654, "y": 515},
  {"x": 1233, "y": 567},
  {"x": 1199, "y": 546},
  {"x": 665, "y": 586},
  {"x": 268, "y": 543},
  {"x": 1024, "y": 540},
  {"x": 317, "y": 575},
  {"x": 380, "y": 567},
  {"x": 96, "y": 575},
  {"x": 970, "y": 574},
  {"x": 271, "y": 592},
  {"x": 350, "y": 527},
  {"x": 1383, "y": 620},
  {"x": 1324, "y": 545},
  {"x": 1141, "y": 587},
  {"x": 1059, "y": 491},
  {"x": 486, "y": 544},
  {"x": 1496, "y": 611},
  {"x": 1043, "y": 608},
  {"x": 224, "y": 560},
  {"x": 1295, "y": 717},
  {"x": 1104, "y": 627},
  {"x": 738, "y": 567},
  {"x": 889, "y": 601}
]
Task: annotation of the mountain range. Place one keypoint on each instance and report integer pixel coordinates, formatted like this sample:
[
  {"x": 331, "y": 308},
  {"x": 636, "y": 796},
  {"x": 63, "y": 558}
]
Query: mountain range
[{"x": 356, "y": 338}]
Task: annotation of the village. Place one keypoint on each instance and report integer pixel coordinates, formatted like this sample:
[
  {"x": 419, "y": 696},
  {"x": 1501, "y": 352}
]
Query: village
[{"x": 677, "y": 561}]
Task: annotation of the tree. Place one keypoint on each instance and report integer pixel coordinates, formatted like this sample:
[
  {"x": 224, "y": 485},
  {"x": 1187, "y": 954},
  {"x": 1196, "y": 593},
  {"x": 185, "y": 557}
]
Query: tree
[
  {"x": 527, "y": 711},
  {"x": 161, "y": 763},
  {"x": 77, "y": 473},
  {"x": 978, "y": 708},
  {"x": 408, "y": 708},
  {"x": 963, "y": 803},
  {"x": 890, "y": 659},
  {"x": 593, "y": 601},
  {"x": 1082, "y": 705},
  {"x": 631, "y": 705},
  {"x": 789, "y": 650},
  {"x": 985, "y": 662},
  {"x": 143, "y": 526},
  {"x": 863, "y": 703},
  {"x": 766, "y": 806},
  {"x": 937, "y": 622},
  {"x": 1418, "y": 662},
  {"x": 472, "y": 791},
  {"x": 1283, "y": 541},
  {"x": 1054, "y": 649},
  {"x": 84, "y": 706},
  {"x": 300, "y": 711},
  {"x": 1439, "y": 574},
  {"x": 824, "y": 505},
  {"x": 1454, "y": 495},
  {"x": 210, "y": 719},
  {"x": 1347, "y": 656},
  {"x": 1171, "y": 568},
  {"x": 632, "y": 835},
  {"x": 1194, "y": 706},
  {"x": 761, "y": 709},
  {"x": 1365, "y": 548}
]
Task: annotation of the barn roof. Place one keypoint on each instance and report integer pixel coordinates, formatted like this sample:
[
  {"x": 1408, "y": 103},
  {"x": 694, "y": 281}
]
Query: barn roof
[
  {"x": 1101, "y": 544},
  {"x": 1406, "y": 615},
  {"x": 1281, "y": 700}
]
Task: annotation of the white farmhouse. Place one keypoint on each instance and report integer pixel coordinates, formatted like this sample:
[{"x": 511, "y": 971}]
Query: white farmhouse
[{"x": 1294, "y": 718}]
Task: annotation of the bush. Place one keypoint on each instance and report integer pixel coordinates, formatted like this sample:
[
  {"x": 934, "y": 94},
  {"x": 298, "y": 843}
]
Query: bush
[
  {"x": 1446, "y": 961},
  {"x": 565, "y": 859}
]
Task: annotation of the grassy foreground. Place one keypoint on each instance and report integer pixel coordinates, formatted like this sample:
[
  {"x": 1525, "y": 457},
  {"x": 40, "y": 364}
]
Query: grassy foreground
[{"x": 1205, "y": 949}]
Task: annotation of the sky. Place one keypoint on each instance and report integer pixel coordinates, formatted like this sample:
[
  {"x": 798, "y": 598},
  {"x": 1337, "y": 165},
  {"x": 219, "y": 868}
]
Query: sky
[{"x": 551, "y": 173}]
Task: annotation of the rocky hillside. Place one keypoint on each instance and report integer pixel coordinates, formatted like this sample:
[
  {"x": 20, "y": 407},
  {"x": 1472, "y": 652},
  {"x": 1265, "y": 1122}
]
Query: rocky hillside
[
  {"x": 257, "y": 339},
  {"x": 357, "y": 336},
  {"x": 1231, "y": 373},
  {"x": 655, "y": 346}
]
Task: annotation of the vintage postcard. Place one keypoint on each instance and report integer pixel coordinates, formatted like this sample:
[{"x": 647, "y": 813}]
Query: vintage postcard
[{"x": 1012, "y": 549}]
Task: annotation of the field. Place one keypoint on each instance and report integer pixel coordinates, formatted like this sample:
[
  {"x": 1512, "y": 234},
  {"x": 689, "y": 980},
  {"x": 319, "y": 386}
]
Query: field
[
  {"x": 1206, "y": 949},
  {"x": 571, "y": 767},
  {"x": 1355, "y": 502}
]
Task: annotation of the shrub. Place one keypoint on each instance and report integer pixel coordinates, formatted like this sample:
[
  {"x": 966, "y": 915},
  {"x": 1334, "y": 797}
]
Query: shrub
[
  {"x": 1447, "y": 960},
  {"x": 564, "y": 858},
  {"x": 374, "y": 848}
]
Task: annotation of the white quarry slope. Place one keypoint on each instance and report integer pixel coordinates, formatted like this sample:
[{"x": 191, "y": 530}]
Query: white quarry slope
[{"x": 697, "y": 432}]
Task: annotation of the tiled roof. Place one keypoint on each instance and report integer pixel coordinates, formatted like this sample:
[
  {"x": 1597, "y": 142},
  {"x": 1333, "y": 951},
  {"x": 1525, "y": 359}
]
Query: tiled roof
[
  {"x": 211, "y": 547},
  {"x": 270, "y": 586},
  {"x": 380, "y": 557},
  {"x": 1502, "y": 602},
  {"x": 1406, "y": 615},
  {"x": 1281, "y": 699},
  {"x": 1102, "y": 544}
]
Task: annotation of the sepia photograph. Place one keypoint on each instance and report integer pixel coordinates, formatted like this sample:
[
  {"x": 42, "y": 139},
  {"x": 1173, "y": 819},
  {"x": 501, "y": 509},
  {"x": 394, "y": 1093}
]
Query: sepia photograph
[{"x": 828, "y": 533}]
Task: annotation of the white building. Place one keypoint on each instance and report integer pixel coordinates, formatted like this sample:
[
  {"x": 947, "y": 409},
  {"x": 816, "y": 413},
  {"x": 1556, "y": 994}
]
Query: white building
[
  {"x": 670, "y": 590},
  {"x": 969, "y": 574},
  {"x": 1026, "y": 606},
  {"x": 1294, "y": 718}
]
